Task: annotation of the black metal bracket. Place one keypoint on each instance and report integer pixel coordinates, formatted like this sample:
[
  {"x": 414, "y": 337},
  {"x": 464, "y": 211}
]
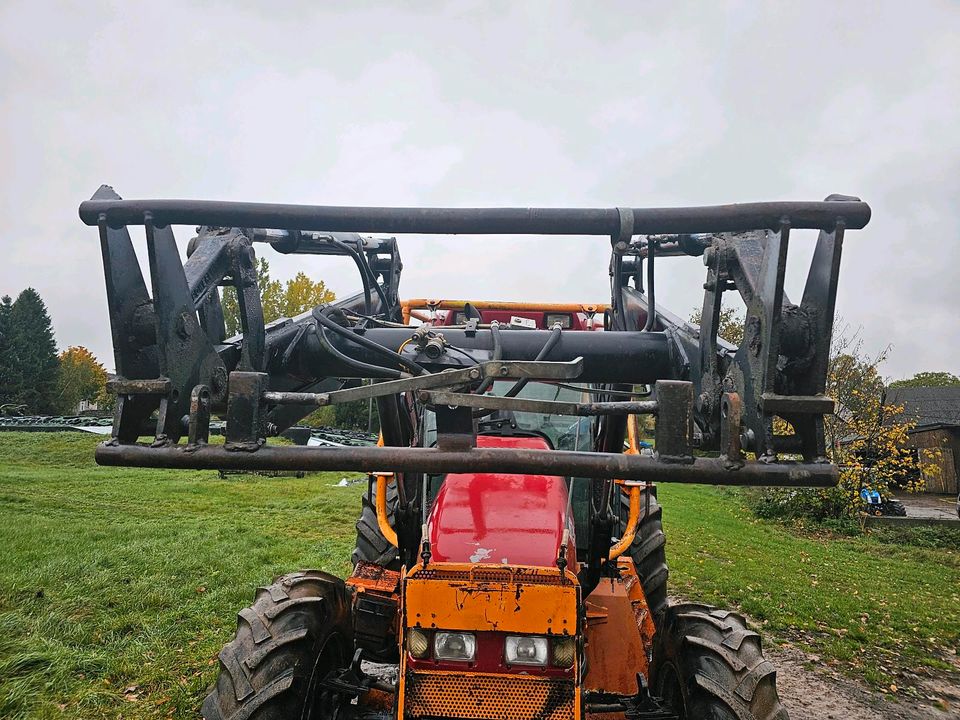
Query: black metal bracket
[
  {"x": 674, "y": 427},
  {"x": 247, "y": 410}
]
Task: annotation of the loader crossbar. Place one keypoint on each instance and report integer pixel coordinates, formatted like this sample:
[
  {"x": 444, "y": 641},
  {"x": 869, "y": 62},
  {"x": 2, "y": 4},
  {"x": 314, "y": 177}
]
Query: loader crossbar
[
  {"x": 595, "y": 466},
  {"x": 483, "y": 221}
]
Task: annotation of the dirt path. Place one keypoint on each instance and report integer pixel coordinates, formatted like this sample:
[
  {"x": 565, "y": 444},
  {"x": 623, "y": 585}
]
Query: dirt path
[{"x": 821, "y": 694}]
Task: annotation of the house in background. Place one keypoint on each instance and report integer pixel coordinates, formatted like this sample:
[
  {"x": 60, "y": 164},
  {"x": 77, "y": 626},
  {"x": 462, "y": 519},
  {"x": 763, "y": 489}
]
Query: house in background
[{"x": 936, "y": 436}]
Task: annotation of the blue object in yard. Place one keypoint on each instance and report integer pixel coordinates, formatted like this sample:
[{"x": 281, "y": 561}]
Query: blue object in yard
[
  {"x": 870, "y": 497},
  {"x": 876, "y": 504}
]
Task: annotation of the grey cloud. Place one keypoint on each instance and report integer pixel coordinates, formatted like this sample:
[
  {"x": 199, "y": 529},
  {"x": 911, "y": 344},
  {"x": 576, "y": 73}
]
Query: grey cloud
[{"x": 494, "y": 103}]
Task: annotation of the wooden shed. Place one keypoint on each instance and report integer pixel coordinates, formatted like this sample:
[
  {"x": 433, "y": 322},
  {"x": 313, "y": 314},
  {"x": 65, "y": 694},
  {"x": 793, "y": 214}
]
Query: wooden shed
[{"x": 936, "y": 436}]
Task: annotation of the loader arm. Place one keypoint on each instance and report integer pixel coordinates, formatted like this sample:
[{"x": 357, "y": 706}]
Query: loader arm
[{"x": 173, "y": 360}]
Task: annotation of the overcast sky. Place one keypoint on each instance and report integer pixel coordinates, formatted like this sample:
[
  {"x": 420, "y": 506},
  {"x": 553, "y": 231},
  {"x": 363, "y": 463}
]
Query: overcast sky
[{"x": 498, "y": 103}]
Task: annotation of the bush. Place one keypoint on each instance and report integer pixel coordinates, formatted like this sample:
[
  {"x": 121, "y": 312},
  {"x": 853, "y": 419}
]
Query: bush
[{"x": 793, "y": 503}]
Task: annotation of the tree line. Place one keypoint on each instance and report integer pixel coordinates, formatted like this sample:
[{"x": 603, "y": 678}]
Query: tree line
[
  {"x": 34, "y": 378},
  {"x": 37, "y": 380}
]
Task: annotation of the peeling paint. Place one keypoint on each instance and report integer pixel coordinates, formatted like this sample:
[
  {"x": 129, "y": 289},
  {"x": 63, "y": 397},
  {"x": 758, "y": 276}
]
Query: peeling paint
[{"x": 480, "y": 554}]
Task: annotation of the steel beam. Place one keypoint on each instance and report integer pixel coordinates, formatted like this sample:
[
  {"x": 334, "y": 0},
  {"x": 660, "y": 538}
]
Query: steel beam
[
  {"x": 485, "y": 221},
  {"x": 713, "y": 471}
]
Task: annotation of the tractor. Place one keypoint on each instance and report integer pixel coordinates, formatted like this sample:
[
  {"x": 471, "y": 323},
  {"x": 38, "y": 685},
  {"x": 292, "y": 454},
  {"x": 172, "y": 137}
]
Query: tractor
[{"x": 510, "y": 558}]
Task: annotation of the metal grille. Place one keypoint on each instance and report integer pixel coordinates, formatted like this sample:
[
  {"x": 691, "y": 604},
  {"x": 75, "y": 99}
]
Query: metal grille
[
  {"x": 488, "y": 697},
  {"x": 505, "y": 575}
]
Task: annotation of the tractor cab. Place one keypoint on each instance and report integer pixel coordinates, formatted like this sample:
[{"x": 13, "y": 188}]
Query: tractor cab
[{"x": 528, "y": 429}]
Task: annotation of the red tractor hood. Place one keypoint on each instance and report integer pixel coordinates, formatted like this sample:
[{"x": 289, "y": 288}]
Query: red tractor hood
[{"x": 497, "y": 518}]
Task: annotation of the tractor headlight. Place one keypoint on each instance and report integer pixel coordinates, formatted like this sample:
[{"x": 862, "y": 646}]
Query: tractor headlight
[
  {"x": 526, "y": 650},
  {"x": 564, "y": 651},
  {"x": 454, "y": 646},
  {"x": 418, "y": 643}
]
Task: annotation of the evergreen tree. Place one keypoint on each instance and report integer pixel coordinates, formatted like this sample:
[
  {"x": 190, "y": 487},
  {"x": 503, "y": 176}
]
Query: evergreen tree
[
  {"x": 9, "y": 376},
  {"x": 34, "y": 353}
]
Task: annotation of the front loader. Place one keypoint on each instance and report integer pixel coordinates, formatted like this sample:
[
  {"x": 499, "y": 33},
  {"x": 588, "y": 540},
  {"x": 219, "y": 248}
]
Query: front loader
[{"x": 510, "y": 559}]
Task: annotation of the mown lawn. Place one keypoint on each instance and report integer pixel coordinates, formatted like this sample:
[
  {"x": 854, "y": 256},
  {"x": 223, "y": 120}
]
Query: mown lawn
[
  {"x": 871, "y": 605},
  {"x": 118, "y": 587}
]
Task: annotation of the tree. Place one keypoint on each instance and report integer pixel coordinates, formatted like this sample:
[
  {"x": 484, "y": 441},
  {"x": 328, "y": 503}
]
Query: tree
[
  {"x": 730, "y": 327},
  {"x": 9, "y": 373},
  {"x": 298, "y": 295},
  {"x": 302, "y": 294},
  {"x": 33, "y": 353},
  {"x": 928, "y": 379},
  {"x": 866, "y": 435},
  {"x": 81, "y": 378},
  {"x": 866, "y": 438},
  {"x": 356, "y": 415}
]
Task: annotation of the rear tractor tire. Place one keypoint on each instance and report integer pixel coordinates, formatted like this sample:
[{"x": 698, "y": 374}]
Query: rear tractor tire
[
  {"x": 708, "y": 665},
  {"x": 297, "y": 630}
]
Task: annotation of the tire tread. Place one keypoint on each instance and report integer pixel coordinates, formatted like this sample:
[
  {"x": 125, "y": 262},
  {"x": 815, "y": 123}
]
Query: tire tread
[
  {"x": 720, "y": 664},
  {"x": 648, "y": 549},
  {"x": 265, "y": 669}
]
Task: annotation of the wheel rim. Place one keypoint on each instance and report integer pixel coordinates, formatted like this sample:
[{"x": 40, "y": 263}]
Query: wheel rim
[
  {"x": 670, "y": 690},
  {"x": 329, "y": 658}
]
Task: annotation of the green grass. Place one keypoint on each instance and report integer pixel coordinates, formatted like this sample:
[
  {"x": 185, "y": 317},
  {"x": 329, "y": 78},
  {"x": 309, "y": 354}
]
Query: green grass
[
  {"x": 113, "y": 579},
  {"x": 869, "y": 604},
  {"x": 116, "y": 579}
]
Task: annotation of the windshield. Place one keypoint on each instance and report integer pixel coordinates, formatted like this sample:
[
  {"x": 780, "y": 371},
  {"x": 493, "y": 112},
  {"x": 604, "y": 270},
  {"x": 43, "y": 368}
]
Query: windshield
[{"x": 565, "y": 432}]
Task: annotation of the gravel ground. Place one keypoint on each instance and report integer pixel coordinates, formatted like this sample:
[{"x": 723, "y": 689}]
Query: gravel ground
[
  {"x": 939, "y": 507},
  {"x": 820, "y": 694}
]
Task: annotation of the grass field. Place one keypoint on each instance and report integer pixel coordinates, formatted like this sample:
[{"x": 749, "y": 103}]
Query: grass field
[{"x": 118, "y": 587}]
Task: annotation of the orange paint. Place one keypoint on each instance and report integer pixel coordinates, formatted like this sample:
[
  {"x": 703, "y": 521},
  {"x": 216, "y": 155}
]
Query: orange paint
[{"x": 454, "y": 596}]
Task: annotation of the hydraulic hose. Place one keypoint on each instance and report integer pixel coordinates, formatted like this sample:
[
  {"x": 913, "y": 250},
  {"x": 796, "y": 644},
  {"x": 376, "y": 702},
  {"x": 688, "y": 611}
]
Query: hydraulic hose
[
  {"x": 366, "y": 369},
  {"x": 549, "y": 345},
  {"x": 365, "y": 271},
  {"x": 497, "y": 355},
  {"x": 364, "y": 278},
  {"x": 415, "y": 368},
  {"x": 651, "y": 295}
]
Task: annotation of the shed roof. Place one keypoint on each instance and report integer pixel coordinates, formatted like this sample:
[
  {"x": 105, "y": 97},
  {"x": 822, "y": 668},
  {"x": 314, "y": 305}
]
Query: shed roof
[{"x": 928, "y": 406}]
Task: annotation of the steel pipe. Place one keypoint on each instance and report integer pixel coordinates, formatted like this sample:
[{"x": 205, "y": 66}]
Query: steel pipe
[
  {"x": 484, "y": 221},
  {"x": 630, "y": 357},
  {"x": 713, "y": 471}
]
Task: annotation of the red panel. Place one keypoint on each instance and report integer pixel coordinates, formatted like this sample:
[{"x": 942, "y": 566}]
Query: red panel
[
  {"x": 578, "y": 320},
  {"x": 497, "y": 518}
]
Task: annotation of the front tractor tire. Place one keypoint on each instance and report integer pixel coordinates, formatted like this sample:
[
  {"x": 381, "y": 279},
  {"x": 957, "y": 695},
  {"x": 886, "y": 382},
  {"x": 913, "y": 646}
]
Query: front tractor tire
[
  {"x": 648, "y": 549},
  {"x": 372, "y": 546},
  {"x": 297, "y": 630},
  {"x": 708, "y": 665}
]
